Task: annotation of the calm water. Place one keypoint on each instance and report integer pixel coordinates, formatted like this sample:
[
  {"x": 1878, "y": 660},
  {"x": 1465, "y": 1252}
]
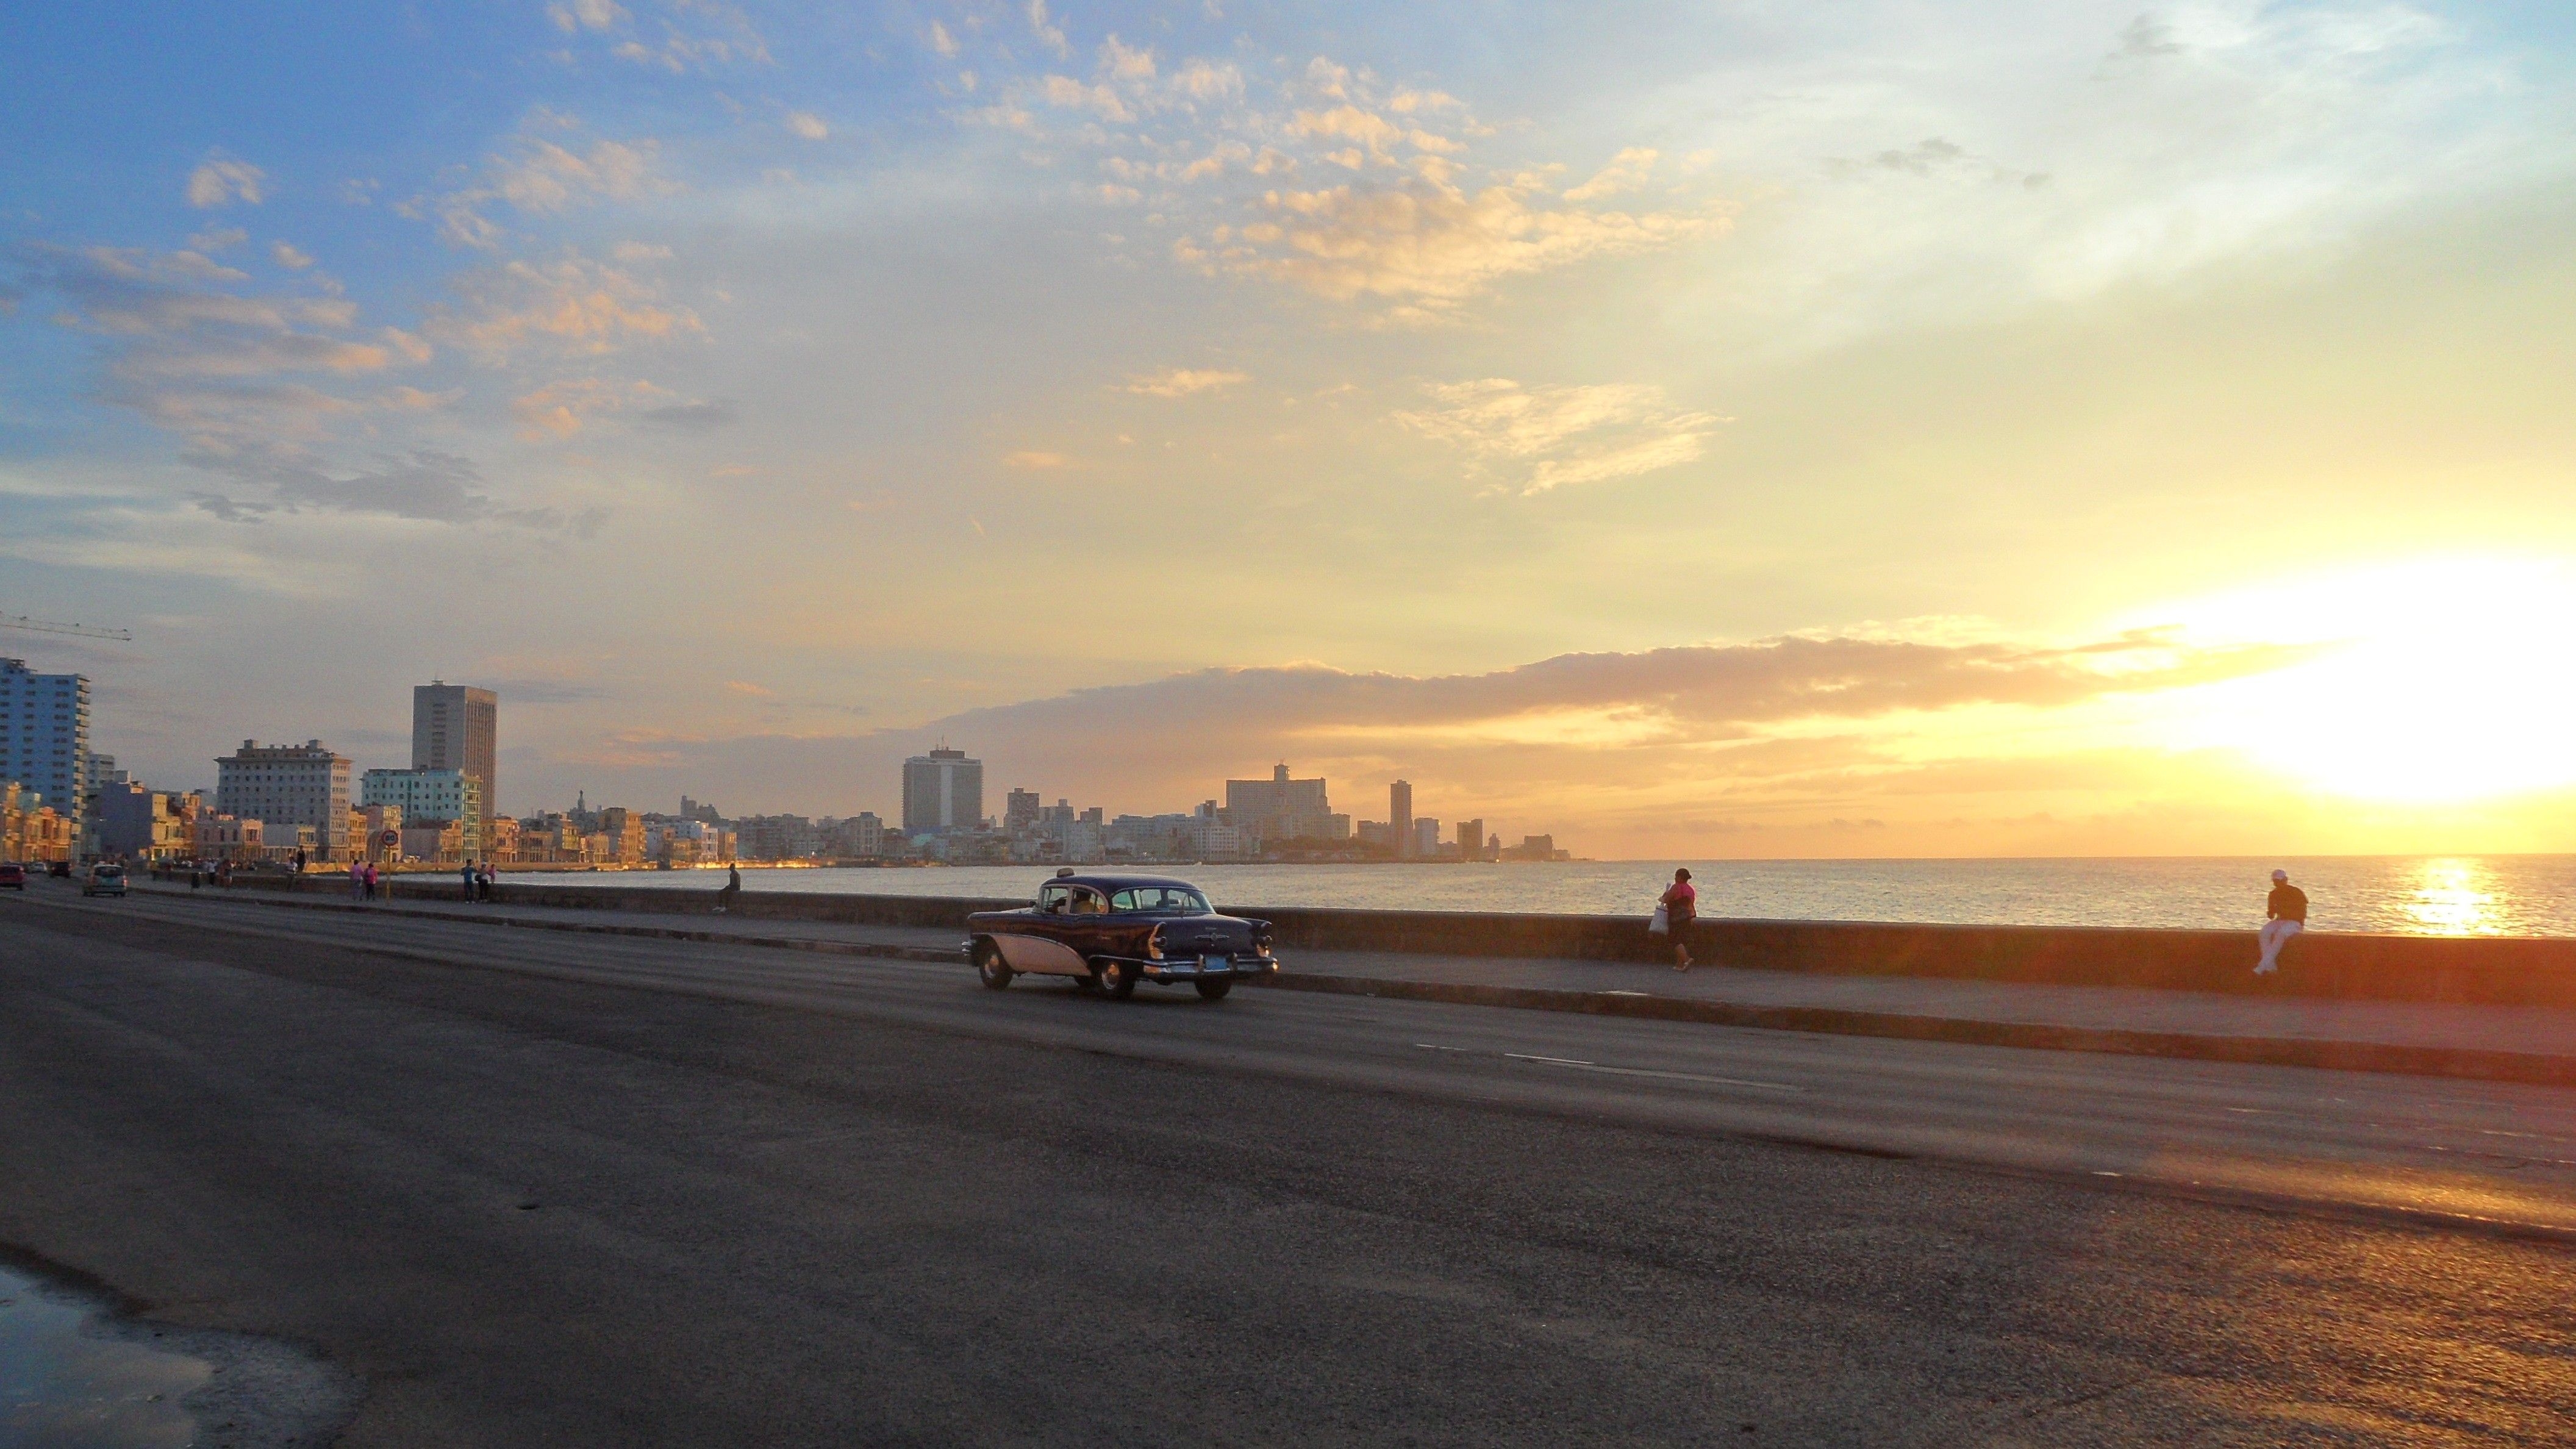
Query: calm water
[{"x": 2450, "y": 895}]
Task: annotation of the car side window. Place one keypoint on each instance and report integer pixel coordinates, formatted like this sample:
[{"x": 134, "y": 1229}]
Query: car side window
[
  {"x": 1088, "y": 903},
  {"x": 1127, "y": 900},
  {"x": 1051, "y": 898}
]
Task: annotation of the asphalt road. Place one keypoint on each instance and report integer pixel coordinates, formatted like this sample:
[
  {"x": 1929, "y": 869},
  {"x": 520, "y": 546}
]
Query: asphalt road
[{"x": 536, "y": 1188}]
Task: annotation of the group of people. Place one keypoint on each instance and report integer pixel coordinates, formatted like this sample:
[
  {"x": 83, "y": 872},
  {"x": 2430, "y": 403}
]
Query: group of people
[
  {"x": 476, "y": 880},
  {"x": 2285, "y": 914},
  {"x": 362, "y": 881}
]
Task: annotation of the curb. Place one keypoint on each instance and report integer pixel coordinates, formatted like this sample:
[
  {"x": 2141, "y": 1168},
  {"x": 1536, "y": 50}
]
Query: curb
[{"x": 2528, "y": 1068}]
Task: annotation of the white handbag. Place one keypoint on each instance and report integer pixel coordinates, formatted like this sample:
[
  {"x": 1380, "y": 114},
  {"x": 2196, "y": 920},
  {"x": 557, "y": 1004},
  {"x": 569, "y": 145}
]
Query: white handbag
[{"x": 1660, "y": 923}]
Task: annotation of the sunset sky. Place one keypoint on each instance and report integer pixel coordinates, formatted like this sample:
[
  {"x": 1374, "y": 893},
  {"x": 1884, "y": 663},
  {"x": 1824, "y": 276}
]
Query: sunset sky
[{"x": 1699, "y": 430}]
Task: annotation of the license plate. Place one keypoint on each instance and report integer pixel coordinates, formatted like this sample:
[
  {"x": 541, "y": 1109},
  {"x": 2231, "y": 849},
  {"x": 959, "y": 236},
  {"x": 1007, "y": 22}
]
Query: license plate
[{"x": 1214, "y": 963}]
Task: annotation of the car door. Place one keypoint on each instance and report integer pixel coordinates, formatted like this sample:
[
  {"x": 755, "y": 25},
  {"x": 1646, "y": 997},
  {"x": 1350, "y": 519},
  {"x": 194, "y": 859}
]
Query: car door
[{"x": 1041, "y": 946}]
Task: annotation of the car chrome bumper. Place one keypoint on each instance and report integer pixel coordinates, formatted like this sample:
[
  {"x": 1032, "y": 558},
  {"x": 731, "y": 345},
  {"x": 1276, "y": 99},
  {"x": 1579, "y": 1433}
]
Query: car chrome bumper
[{"x": 1202, "y": 968}]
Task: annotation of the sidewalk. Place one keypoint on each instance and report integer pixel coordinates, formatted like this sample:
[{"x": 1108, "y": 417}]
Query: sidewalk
[{"x": 2500, "y": 1043}]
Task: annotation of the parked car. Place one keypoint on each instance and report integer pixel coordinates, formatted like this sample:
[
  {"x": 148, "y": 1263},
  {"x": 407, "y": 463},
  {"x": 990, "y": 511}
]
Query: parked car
[
  {"x": 1109, "y": 932},
  {"x": 13, "y": 875},
  {"x": 60, "y": 870},
  {"x": 103, "y": 880}
]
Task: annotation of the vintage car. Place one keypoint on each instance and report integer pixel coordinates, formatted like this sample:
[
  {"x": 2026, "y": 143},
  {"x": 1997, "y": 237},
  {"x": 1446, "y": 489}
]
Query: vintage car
[{"x": 1108, "y": 932}]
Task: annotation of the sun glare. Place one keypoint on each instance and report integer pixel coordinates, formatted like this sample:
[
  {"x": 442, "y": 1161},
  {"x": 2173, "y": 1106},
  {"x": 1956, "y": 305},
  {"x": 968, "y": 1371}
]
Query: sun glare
[{"x": 2433, "y": 681}]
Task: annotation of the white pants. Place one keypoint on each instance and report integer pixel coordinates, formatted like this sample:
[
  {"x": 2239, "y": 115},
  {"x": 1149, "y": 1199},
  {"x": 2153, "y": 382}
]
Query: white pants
[{"x": 2276, "y": 934}]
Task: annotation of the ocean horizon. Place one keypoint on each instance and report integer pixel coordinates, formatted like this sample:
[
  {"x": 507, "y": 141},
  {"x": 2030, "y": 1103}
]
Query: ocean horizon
[{"x": 2424, "y": 895}]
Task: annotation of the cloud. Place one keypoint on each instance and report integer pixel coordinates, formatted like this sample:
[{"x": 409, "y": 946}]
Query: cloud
[
  {"x": 696, "y": 416},
  {"x": 288, "y": 257},
  {"x": 539, "y": 176},
  {"x": 1626, "y": 171},
  {"x": 1552, "y": 436},
  {"x": 217, "y": 239},
  {"x": 581, "y": 15},
  {"x": 941, "y": 40},
  {"x": 220, "y": 181},
  {"x": 1048, "y": 34},
  {"x": 571, "y": 307},
  {"x": 1035, "y": 460},
  {"x": 808, "y": 125},
  {"x": 1182, "y": 381},
  {"x": 424, "y": 486}
]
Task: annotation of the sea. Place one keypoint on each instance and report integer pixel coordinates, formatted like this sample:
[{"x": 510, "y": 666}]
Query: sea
[{"x": 2423, "y": 895}]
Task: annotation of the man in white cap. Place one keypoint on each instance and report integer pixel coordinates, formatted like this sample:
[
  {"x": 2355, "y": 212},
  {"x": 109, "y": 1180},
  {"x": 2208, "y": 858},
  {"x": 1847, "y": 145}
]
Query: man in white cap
[{"x": 2285, "y": 915}]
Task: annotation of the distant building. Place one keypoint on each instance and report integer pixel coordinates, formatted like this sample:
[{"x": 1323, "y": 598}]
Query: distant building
[
  {"x": 44, "y": 735},
  {"x": 1426, "y": 838},
  {"x": 1399, "y": 815},
  {"x": 1281, "y": 808},
  {"x": 455, "y": 727},
  {"x": 942, "y": 791},
  {"x": 1535, "y": 847},
  {"x": 428, "y": 798},
  {"x": 375, "y": 833},
  {"x": 281, "y": 786},
  {"x": 1471, "y": 840},
  {"x": 777, "y": 837},
  {"x": 132, "y": 823},
  {"x": 229, "y": 837},
  {"x": 1020, "y": 812},
  {"x": 620, "y": 837},
  {"x": 1375, "y": 833}
]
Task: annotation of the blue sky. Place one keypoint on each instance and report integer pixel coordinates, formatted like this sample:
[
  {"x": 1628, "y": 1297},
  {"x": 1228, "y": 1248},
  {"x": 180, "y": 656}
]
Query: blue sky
[{"x": 751, "y": 391}]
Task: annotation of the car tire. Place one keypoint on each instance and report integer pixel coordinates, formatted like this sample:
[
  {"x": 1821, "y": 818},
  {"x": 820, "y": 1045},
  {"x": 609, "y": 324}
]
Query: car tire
[
  {"x": 991, "y": 969},
  {"x": 1116, "y": 979},
  {"x": 1215, "y": 990}
]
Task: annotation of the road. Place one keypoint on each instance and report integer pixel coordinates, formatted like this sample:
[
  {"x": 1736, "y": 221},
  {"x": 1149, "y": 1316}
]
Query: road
[{"x": 541, "y": 1188}]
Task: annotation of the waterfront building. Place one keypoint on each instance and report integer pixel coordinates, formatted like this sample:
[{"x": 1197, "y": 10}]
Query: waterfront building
[
  {"x": 456, "y": 727},
  {"x": 223, "y": 836},
  {"x": 1281, "y": 809},
  {"x": 288, "y": 785},
  {"x": 620, "y": 838},
  {"x": 132, "y": 823},
  {"x": 1399, "y": 815},
  {"x": 942, "y": 791},
  {"x": 44, "y": 735},
  {"x": 1471, "y": 840},
  {"x": 429, "y": 797},
  {"x": 1426, "y": 838},
  {"x": 375, "y": 833},
  {"x": 777, "y": 837},
  {"x": 1020, "y": 814}
]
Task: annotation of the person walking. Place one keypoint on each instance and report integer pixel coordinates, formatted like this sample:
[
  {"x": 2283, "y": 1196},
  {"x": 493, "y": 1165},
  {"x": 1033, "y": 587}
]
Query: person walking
[
  {"x": 357, "y": 880},
  {"x": 368, "y": 891},
  {"x": 1681, "y": 907},
  {"x": 732, "y": 889},
  {"x": 465, "y": 875},
  {"x": 2285, "y": 914},
  {"x": 483, "y": 882}
]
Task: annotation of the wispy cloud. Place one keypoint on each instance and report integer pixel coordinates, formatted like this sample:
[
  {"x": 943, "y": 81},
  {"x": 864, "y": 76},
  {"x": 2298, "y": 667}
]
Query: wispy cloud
[
  {"x": 220, "y": 180},
  {"x": 1183, "y": 381},
  {"x": 1554, "y": 435}
]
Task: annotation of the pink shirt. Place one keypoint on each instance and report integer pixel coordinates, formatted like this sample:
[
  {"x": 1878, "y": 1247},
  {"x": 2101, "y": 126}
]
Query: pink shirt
[{"x": 1681, "y": 900}]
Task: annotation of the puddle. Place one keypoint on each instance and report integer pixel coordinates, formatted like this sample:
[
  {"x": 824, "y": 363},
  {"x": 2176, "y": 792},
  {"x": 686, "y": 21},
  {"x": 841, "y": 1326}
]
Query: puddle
[{"x": 74, "y": 1374}]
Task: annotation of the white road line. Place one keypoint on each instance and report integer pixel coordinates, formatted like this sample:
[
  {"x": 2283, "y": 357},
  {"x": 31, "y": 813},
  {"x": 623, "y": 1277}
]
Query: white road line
[{"x": 1551, "y": 1061}]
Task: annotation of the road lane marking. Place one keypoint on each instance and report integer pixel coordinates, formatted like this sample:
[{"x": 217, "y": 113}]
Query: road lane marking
[
  {"x": 1551, "y": 1061},
  {"x": 1646, "y": 1072}
]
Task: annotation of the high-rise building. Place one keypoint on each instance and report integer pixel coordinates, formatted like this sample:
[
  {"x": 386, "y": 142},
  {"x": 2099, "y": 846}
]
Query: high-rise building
[
  {"x": 430, "y": 797},
  {"x": 1471, "y": 840},
  {"x": 1280, "y": 808},
  {"x": 288, "y": 785},
  {"x": 942, "y": 791},
  {"x": 454, "y": 727},
  {"x": 44, "y": 734},
  {"x": 1426, "y": 837},
  {"x": 1020, "y": 813},
  {"x": 1399, "y": 815}
]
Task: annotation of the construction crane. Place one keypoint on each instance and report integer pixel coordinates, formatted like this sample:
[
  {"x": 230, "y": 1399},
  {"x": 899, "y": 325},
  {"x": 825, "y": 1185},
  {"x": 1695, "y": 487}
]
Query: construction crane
[{"x": 47, "y": 626}]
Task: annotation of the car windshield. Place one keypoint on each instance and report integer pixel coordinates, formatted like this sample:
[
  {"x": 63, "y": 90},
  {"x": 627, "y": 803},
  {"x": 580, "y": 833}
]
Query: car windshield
[{"x": 1174, "y": 900}]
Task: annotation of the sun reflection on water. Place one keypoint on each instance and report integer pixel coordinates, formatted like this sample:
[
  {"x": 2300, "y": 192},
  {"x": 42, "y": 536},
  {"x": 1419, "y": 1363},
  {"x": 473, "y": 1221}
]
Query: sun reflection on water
[{"x": 2452, "y": 898}]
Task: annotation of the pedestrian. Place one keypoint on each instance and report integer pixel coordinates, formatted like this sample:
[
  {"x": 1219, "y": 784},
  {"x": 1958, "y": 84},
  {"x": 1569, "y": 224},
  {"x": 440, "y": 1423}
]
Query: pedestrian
[
  {"x": 299, "y": 860},
  {"x": 357, "y": 880},
  {"x": 368, "y": 891},
  {"x": 1681, "y": 907},
  {"x": 732, "y": 888},
  {"x": 483, "y": 882},
  {"x": 2285, "y": 914},
  {"x": 465, "y": 874}
]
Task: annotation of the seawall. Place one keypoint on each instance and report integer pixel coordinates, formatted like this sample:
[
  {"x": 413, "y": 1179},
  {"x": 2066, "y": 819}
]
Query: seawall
[{"x": 2494, "y": 971}]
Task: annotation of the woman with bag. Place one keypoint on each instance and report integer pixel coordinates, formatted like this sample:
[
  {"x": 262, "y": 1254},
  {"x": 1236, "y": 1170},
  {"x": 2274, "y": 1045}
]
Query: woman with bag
[{"x": 1679, "y": 906}]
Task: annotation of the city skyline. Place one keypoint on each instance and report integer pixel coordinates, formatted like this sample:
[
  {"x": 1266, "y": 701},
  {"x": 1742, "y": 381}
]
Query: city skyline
[{"x": 2077, "y": 429}]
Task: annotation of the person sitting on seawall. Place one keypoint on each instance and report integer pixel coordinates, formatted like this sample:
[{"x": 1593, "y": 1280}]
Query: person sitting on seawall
[
  {"x": 732, "y": 889},
  {"x": 2285, "y": 914},
  {"x": 1681, "y": 907}
]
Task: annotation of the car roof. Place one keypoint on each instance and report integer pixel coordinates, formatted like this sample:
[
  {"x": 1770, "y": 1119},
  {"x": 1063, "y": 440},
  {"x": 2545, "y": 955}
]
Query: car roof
[{"x": 1122, "y": 882}]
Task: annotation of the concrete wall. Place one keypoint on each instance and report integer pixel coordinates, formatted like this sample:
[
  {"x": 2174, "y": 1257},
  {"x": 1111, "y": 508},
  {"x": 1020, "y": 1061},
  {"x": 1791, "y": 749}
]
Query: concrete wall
[{"x": 2519, "y": 971}]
